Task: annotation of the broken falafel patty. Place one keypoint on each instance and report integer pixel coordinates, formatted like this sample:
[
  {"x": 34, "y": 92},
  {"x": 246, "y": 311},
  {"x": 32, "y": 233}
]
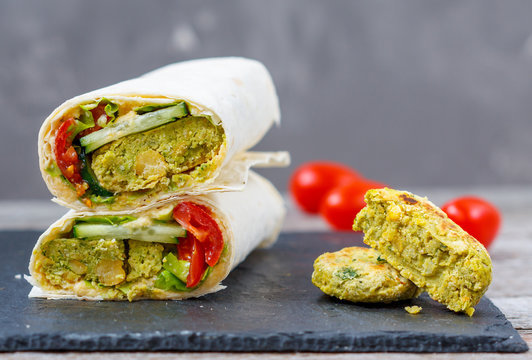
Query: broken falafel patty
[
  {"x": 418, "y": 239},
  {"x": 360, "y": 275}
]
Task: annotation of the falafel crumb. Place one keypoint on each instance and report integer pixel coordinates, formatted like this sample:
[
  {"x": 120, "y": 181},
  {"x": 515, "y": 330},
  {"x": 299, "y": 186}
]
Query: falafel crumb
[{"x": 414, "y": 310}]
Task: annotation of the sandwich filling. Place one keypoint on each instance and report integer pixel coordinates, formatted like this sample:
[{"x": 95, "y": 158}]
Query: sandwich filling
[
  {"x": 106, "y": 150},
  {"x": 126, "y": 257}
]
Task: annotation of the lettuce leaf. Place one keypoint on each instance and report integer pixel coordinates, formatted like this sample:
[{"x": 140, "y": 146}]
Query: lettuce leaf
[
  {"x": 111, "y": 110},
  {"x": 168, "y": 281}
]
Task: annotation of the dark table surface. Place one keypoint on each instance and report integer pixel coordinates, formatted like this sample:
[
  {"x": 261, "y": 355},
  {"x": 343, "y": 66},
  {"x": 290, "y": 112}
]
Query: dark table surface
[{"x": 269, "y": 305}]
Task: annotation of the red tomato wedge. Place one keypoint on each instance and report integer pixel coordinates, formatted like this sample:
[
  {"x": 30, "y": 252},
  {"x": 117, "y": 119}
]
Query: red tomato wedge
[
  {"x": 192, "y": 250},
  {"x": 184, "y": 248},
  {"x": 65, "y": 155},
  {"x": 197, "y": 264},
  {"x": 204, "y": 237}
]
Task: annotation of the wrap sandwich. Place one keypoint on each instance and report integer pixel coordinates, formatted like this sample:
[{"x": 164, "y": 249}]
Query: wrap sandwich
[
  {"x": 179, "y": 249},
  {"x": 169, "y": 132}
]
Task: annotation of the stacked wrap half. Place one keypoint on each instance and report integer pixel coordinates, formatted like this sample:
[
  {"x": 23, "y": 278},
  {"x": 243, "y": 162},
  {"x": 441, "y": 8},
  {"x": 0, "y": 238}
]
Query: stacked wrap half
[{"x": 157, "y": 173}]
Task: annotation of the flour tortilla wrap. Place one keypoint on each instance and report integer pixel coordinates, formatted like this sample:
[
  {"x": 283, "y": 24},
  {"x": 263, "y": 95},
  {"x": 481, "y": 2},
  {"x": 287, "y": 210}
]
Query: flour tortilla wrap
[
  {"x": 248, "y": 219},
  {"x": 236, "y": 93}
]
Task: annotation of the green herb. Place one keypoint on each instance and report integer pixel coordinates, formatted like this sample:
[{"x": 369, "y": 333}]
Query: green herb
[
  {"x": 379, "y": 259},
  {"x": 347, "y": 273}
]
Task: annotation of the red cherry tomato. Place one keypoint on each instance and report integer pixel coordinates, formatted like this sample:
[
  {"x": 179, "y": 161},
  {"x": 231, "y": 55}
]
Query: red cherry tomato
[
  {"x": 204, "y": 242},
  {"x": 478, "y": 217},
  {"x": 65, "y": 154},
  {"x": 197, "y": 264},
  {"x": 311, "y": 181},
  {"x": 184, "y": 247},
  {"x": 342, "y": 204},
  {"x": 197, "y": 219}
]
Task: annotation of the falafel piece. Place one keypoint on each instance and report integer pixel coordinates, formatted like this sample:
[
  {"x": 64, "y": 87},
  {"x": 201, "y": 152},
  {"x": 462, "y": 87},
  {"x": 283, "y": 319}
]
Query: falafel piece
[
  {"x": 413, "y": 310},
  {"x": 360, "y": 275},
  {"x": 418, "y": 239}
]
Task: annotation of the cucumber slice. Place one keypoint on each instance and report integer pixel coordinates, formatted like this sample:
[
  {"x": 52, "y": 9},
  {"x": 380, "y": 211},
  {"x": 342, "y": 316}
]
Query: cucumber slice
[
  {"x": 161, "y": 233},
  {"x": 132, "y": 125},
  {"x": 88, "y": 175}
]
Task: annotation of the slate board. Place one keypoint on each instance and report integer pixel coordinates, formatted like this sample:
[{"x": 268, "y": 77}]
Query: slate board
[{"x": 269, "y": 305}]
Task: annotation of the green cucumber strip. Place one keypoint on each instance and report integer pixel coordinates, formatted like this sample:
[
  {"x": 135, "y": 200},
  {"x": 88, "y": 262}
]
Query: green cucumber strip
[
  {"x": 107, "y": 219},
  {"x": 206, "y": 273},
  {"x": 179, "y": 268},
  {"x": 88, "y": 175},
  {"x": 97, "y": 199},
  {"x": 133, "y": 125},
  {"x": 149, "y": 108},
  {"x": 161, "y": 233}
]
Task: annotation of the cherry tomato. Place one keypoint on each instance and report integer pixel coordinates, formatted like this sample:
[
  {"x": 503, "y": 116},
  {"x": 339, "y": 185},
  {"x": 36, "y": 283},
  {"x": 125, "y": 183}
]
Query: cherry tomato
[
  {"x": 197, "y": 220},
  {"x": 65, "y": 155},
  {"x": 204, "y": 243},
  {"x": 342, "y": 203},
  {"x": 197, "y": 264},
  {"x": 184, "y": 247},
  {"x": 478, "y": 217},
  {"x": 311, "y": 181}
]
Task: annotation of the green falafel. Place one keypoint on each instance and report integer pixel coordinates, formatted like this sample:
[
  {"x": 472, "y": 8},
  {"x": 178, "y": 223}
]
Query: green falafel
[
  {"x": 418, "y": 239},
  {"x": 360, "y": 275}
]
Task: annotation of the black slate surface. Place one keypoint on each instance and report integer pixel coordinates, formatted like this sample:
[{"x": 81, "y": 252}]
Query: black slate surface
[{"x": 269, "y": 305}]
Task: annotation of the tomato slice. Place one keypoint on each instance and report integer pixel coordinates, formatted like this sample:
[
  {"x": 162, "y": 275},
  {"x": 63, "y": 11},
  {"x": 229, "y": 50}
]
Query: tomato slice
[
  {"x": 184, "y": 248},
  {"x": 197, "y": 264},
  {"x": 65, "y": 154},
  {"x": 197, "y": 220},
  {"x": 192, "y": 250}
]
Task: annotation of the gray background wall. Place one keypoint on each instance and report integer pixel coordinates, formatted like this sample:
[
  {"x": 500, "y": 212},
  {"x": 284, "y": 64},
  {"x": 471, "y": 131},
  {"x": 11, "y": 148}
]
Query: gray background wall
[{"x": 412, "y": 93}]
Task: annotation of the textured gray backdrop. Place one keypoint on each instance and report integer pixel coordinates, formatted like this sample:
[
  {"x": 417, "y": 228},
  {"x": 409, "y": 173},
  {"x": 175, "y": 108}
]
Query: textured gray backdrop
[{"x": 412, "y": 93}]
